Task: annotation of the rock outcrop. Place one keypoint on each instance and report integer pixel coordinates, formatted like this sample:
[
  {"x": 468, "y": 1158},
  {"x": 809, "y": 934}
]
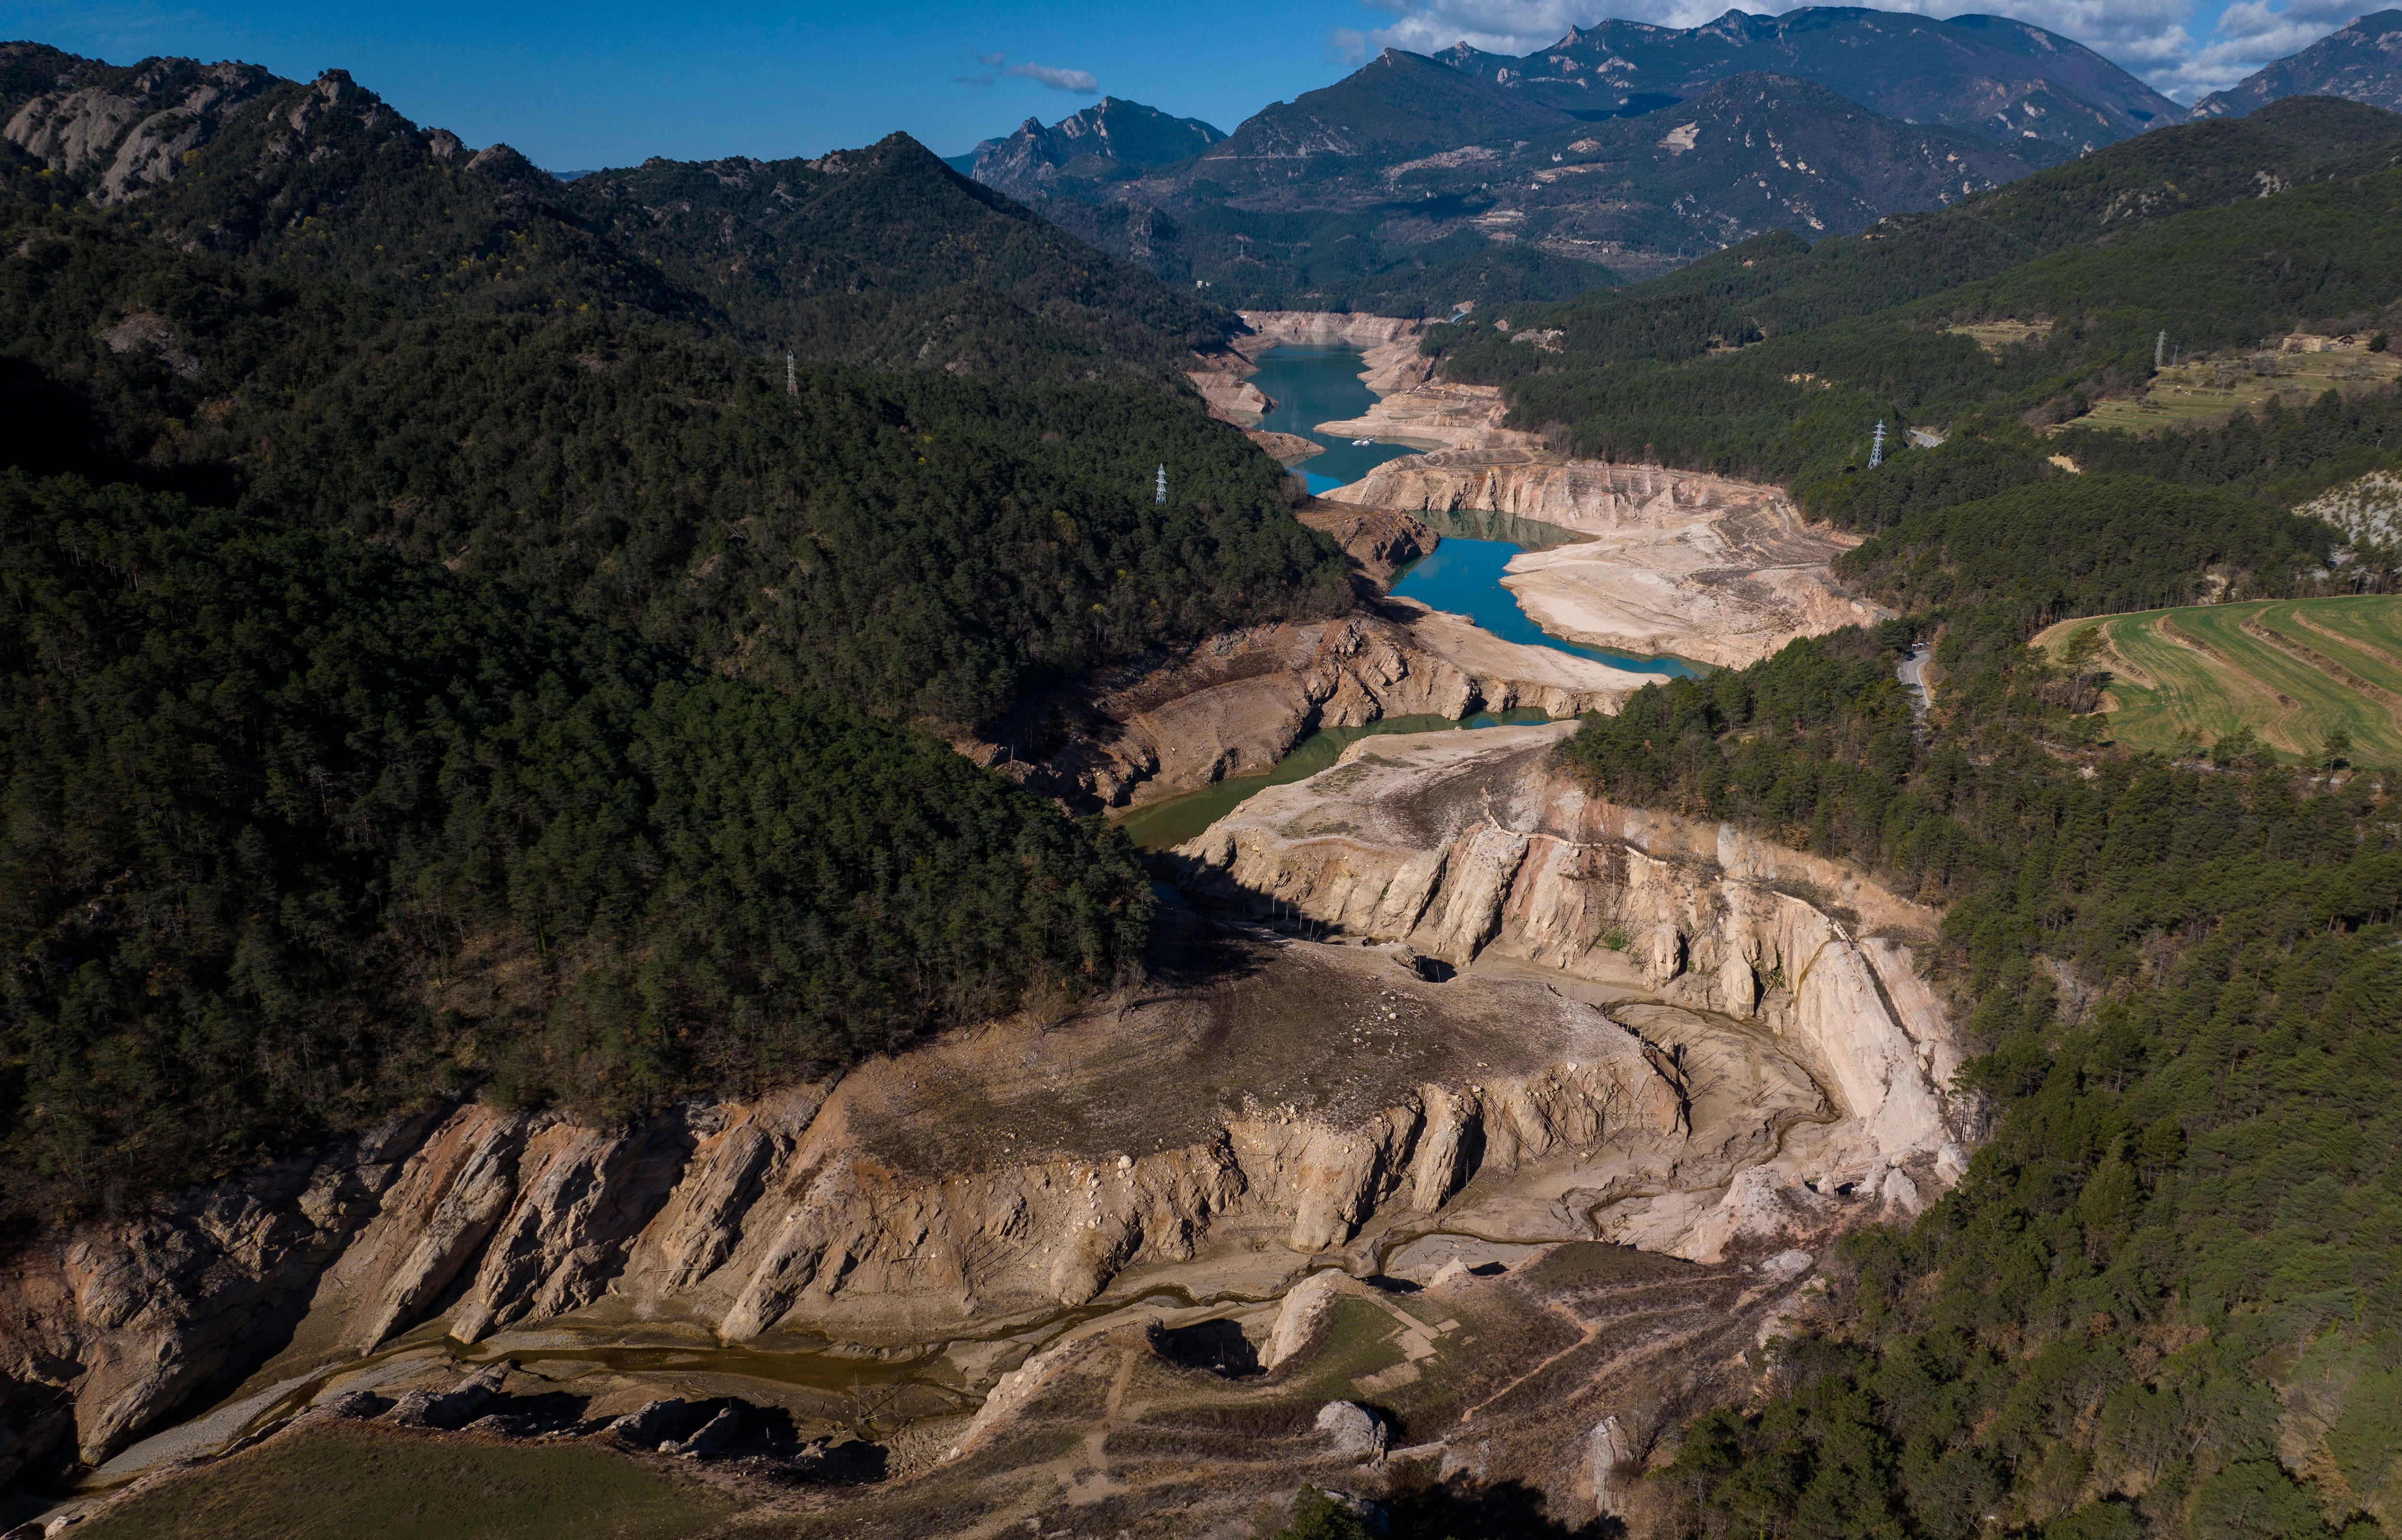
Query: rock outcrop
[
  {"x": 1286, "y": 448},
  {"x": 1237, "y": 703},
  {"x": 1663, "y": 1033},
  {"x": 143, "y": 126},
  {"x": 1376, "y": 542},
  {"x": 1463, "y": 843},
  {"x": 1701, "y": 566},
  {"x": 1351, "y": 1430}
]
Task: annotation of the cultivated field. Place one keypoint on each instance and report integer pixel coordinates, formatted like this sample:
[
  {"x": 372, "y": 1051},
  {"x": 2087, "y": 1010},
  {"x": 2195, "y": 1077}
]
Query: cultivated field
[
  {"x": 2288, "y": 669},
  {"x": 2211, "y": 389}
]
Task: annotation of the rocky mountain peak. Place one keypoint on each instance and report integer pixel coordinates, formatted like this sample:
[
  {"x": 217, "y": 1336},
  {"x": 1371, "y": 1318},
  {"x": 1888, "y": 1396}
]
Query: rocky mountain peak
[
  {"x": 2002, "y": 79},
  {"x": 2362, "y": 62},
  {"x": 1109, "y": 139}
]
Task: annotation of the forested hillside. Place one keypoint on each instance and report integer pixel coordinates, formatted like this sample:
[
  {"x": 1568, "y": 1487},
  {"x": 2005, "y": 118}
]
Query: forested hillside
[
  {"x": 299, "y": 829},
  {"x": 880, "y": 256},
  {"x": 2163, "y": 1301},
  {"x": 1996, "y": 325},
  {"x": 450, "y": 645},
  {"x": 1778, "y": 285}
]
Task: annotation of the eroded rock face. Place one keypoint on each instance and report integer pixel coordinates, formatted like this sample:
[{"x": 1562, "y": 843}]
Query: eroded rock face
[
  {"x": 1377, "y": 542},
  {"x": 141, "y": 127},
  {"x": 137, "y": 1314},
  {"x": 1461, "y": 843},
  {"x": 1237, "y": 703},
  {"x": 1701, "y": 566},
  {"x": 921, "y": 1193}
]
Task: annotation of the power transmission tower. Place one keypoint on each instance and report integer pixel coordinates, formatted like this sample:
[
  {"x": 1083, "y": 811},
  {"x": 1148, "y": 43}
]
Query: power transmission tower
[
  {"x": 1162, "y": 485},
  {"x": 2160, "y": 350},
  {"x": 791, "y": 379},
  {"x": 1876, "y": 450}
]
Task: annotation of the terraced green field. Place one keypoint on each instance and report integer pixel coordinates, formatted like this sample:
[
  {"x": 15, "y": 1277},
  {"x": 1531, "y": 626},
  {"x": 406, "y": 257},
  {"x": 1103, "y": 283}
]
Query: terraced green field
[{"x": 2289, "y": 669}]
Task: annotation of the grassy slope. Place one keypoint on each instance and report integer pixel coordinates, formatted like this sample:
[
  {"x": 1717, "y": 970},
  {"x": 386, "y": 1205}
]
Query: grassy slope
[{"x": 2169, "y": 689}]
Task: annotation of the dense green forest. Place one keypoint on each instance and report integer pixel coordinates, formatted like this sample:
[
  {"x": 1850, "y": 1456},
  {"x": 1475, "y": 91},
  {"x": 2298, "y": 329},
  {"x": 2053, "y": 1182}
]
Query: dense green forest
[
  {"x": 2188, "y": 1222},
  {"x": 1778, "y": 285},
  {"x": 450, "y": 645},
  {"x": 2163, "y": 1301},
  {"x": 299, "y": 828},
  {"x": 923, "y": 546},
  {"x": 1775, "y": 359}
]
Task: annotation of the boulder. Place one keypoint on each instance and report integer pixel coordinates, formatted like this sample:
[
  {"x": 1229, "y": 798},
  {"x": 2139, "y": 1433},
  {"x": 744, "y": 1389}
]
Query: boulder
[
  {"x": 355, "y": 1404},
  {"x": 1305, "y": 1306},
  {"x": 1354, "y": 1430},
  {"x": 452, "y": 1409},
  {"x": 414, "y": 1409}
]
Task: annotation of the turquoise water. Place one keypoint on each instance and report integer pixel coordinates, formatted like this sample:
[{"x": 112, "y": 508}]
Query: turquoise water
[
  {"x": 1464, "y": 577},
  {"x": 1311, "y": 385},
  {"x": 1165, "y": 824}
]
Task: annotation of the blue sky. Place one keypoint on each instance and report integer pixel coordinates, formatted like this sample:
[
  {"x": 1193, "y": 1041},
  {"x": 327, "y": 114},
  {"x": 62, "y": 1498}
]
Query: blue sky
[{"x": 607, "y": 83}]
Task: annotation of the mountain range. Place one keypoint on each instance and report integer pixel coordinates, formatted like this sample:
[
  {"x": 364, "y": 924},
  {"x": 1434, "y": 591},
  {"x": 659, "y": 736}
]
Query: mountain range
[
  {"x": 1112, "y": 137},
  {"x": 1418, "y": 183},
  {"x": 2004, "y": 80},
  {"x": 1411, "y": 187},
  {"x": 869, "y": 255},
  {"x": 2362, "y": 62}
]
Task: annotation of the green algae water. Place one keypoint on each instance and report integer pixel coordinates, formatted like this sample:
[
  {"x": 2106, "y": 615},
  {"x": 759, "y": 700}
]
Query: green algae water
[{"x": 1163, "y": 825}]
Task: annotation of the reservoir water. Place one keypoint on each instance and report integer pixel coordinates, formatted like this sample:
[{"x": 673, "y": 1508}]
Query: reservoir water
[
  {"x": 1315, "y": 384},
  {"x": 1464, "y": 577},
  {"x": 1310, "y": 385}
]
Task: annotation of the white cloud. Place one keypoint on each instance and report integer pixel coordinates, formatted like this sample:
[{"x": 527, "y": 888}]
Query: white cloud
[
  {"x": 2149, "y": 39},
  {"x": 1082, "y": 82}
]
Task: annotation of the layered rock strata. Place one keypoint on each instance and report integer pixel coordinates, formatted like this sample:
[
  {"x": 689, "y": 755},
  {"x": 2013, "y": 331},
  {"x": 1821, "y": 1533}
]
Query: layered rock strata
[
  {"x": 1701, "y": 567},
  {"x": 1661, "y": 1034},
  {"x": 1377, "y": 543},
  {"x": 1237, "y": 703},
  {"x": 1437, "y": 413},
  {"x": 1463, "y": 846},
  {"x": 748, "y": 1219}
]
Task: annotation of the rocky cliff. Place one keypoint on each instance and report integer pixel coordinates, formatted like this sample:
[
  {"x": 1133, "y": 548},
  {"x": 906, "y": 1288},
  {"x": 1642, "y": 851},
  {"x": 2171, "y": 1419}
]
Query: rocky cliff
[
  {"x": 1235, "y": 704},
  {"x": 1660, "y": 1035},
  {"x": 1462, "y": 845},
  {"x": 1701, "y": 567},
  {"x": 134, "y": 127}
]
